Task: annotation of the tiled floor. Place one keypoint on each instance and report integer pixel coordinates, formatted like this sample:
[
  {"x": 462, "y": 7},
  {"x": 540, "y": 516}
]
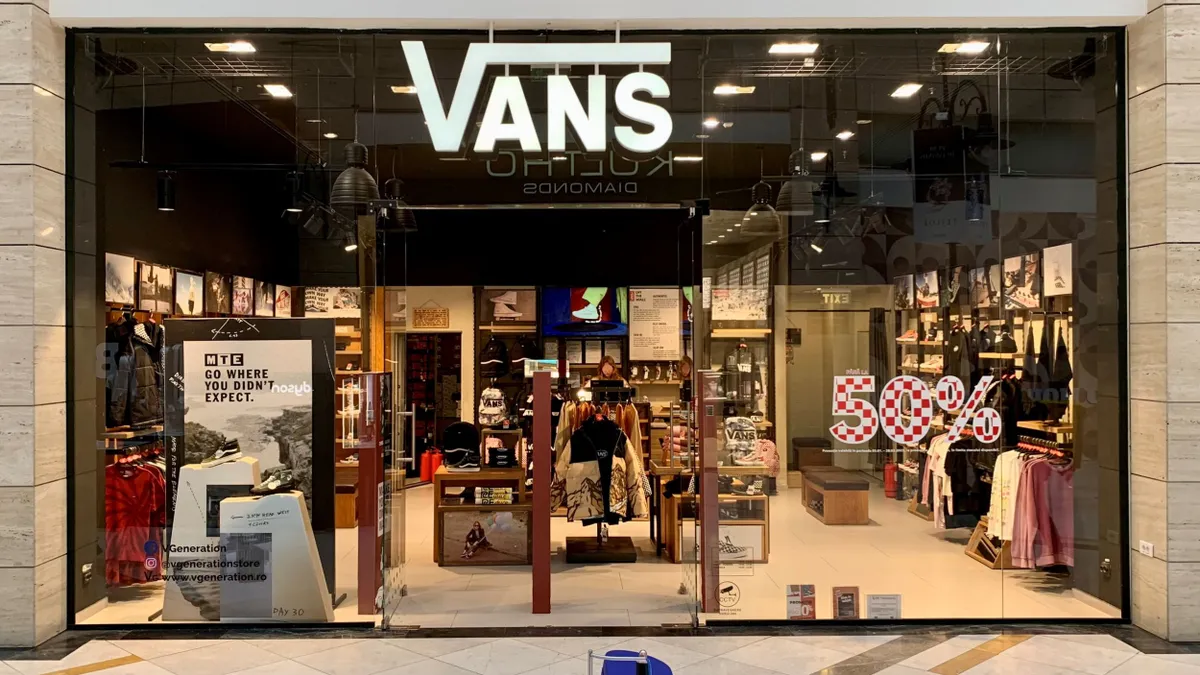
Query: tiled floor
[
  {"x": 898, "y": 553},
  {"x": 375, "y": 653}
]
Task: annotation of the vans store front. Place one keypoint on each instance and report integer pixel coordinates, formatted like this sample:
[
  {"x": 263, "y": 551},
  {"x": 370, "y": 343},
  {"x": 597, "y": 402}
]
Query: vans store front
[{"x": 603, "y": 327}]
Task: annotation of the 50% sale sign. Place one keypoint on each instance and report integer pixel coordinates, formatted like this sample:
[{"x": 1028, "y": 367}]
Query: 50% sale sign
[{"x": 907, "y": 429}]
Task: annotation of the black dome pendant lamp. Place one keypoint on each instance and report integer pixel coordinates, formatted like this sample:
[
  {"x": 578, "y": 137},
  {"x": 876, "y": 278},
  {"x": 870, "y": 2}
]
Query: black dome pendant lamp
[{"x": 354, "y": 188}]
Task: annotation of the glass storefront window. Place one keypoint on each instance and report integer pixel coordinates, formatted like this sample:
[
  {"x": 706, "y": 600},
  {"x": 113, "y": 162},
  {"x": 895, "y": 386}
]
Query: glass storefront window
[{"x": 848, "y": 333}]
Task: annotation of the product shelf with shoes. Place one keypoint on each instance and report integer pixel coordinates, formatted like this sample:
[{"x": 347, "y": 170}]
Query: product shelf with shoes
[{"x": 481, "y": 518}]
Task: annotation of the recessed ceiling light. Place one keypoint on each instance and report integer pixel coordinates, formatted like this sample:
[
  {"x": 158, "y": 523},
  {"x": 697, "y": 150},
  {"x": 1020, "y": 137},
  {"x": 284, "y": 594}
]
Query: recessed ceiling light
[
  {"x": 330, "y": 135},
  {"x": 558, "y": 158},
  {"x": 403, "y": 89},
  {"x": 236, "y": 47},
  {"x": 973, "y": 47},
  {"x": 711, "y": 123},
  {"x": 862, "y": 121},
  {"x": 315, "y": 121},
  {"x": 278, "y": 90},
  {"x": 949, "y": 48},
  {"x": 845, "y": 135},
  {"x": 731, "y": 89},
  {"x": 793, "y": 48},
  {"x": 702, "y": 136},
  {"x": 737, "y": 224},
  {"x": 819, "y": 155},
  {"x": 720, "y": 236},
  {"x": 727, "y": 125},
  {"x": 906, "y": 90},
  {"x": 729, "y": 229},
  {"x": 691, "y": 159}
]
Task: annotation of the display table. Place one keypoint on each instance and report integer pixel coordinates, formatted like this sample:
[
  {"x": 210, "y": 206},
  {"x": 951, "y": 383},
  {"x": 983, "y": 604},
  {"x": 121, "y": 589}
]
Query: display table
[
  {"x": 506, "y": 528},
  {"x": 750, "y": 529},
  {"x": 836, "y": 497}
]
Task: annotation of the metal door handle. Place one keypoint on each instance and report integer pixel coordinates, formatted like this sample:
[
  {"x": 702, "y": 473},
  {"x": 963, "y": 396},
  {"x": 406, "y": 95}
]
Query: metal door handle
[{"x": 413, "y": 439}]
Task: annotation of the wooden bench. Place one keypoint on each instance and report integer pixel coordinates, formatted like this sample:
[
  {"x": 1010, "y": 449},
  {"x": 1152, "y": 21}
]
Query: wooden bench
[{"x": 836, "y": 497}]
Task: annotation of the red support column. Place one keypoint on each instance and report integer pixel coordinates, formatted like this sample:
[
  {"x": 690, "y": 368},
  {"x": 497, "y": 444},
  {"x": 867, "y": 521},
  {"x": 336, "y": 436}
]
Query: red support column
[{"x": 541, "y": 492}]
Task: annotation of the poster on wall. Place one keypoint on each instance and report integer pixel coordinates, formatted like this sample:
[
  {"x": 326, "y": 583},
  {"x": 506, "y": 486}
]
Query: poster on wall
[
  {"x": 263, "y": 390},
  {"x": 264, "y": 299},
  {"x": 904, "y": 291},
  {"x": 845, "y": 602},
  {"x": 1058, "y": 271},
  {"x": 283, "y": 301},
  {"x": 953, "y": 286},
  {"x": 927, "y": 290},
  {"x": 801, "y": 602},
  {"x": 985, "y": 286},
  {"x": 512, "y": 305},
  {"x": 395, "y": 301},
  {"x": 120, "y": 279},
  {"x": 243, "y": 296},
  {"x": 333, "y": 301},
  {"x": 218, "y": 293},
  {"x": 1023, "y": 282},
  {"x": 189, "y": 294},
  {"x": 155, "y": 288},
  {"x": 654, "y": 325},
  {"x": 739, "y": 303}
]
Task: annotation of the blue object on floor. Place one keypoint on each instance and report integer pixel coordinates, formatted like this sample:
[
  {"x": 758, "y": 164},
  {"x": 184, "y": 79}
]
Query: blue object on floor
[{"x": 630, "y": 668}]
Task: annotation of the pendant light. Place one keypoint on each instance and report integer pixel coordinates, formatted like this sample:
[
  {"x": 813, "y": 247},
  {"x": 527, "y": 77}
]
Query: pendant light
[
  {"x": 166, "y": 191},
  {"x": 761, "y": 217},
  {"x": 397, "y": 216},
  {"x": 354, "y": 187},
  {"x": 795, "y": 196}
]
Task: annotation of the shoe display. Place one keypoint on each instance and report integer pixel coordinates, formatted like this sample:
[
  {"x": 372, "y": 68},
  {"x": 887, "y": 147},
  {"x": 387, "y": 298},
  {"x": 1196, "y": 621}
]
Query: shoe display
[
  {"x": 352, "y": 459},
  {"x": 506, "y": 298},
  {"x": 731, "y": 552},
  {"x": 282, "y": 480},
  {"x": 502, "y": 311},
  {"x": 589, "y": 313},
  {"x": 933, "y": 365},
  {"x": 931, "y": 335},
  {"x": 910, "y": 361},
  {"x": 229, "y": 452},
  {"x": 729, "y": 513},
  {"x": 909, "y": 336}
]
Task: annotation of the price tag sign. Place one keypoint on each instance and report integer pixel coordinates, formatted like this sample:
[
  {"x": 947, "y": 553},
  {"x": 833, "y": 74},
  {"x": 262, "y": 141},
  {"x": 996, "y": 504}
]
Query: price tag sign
[{"x": 802, "y": 602}]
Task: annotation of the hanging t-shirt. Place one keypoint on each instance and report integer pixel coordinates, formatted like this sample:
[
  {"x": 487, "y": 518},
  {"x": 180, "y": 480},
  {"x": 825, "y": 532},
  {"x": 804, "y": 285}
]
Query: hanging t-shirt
[{"x": 1006, "y": 479}]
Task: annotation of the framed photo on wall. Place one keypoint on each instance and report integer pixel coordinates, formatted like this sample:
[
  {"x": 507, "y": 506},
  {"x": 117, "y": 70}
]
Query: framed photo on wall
[
  {"x": 243, "y": 296},
  {"x": 155, "y": 288},
  {"x": 283, "y": 301},
  {"x": 264, "y": 299},
  {"x": 189, "y": 294},
  {"x": 120, "y": 279},
  {"x": 218, "y": 293}
]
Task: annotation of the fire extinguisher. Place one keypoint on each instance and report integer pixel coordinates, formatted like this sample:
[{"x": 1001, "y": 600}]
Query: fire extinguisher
[
  {"x": 426, "y": 466},
  {"x": 435, "y": 463},
  {"x": 889, "y": 480}
]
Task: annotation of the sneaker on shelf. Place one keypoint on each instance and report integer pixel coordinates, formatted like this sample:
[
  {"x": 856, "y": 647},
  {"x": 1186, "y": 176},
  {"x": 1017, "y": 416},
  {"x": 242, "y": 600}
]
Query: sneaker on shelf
[
  {"x": 729, "y": 513},
  {"x": 282, "y": 480},
  {"x": 731, "y": 552},
  {"x": 506, "y": 298},
  {"x": 462, "y": 460},
  {"x": 229, "y": 452},
  {"x": 910, "y": 361},
  {"x": 931, "y": 335},
  {"x": 724, "y": 484},
  {"x": 351, "y": 459},
  {"x": 503, "y": 311},
  {"x": 909, "y": 336}
]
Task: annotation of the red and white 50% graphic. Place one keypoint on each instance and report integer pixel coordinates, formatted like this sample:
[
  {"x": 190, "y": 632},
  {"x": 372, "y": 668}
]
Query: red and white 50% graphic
[{"x": 907, "y": 429}]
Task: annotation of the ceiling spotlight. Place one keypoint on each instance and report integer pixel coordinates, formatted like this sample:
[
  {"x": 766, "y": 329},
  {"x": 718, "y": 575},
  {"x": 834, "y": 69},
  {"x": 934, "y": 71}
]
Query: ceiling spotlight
[
  {"x": 720, "y": 236},
  {"x": 351, "y": 243},
  {"x": 731, "y": 89},
  {"x": 818, "y": 243},
  {"x": 688, "y": 159},
  {"x": 906, "y": 90},
  {"x": 403, "y": 89},
  {"x": 727, "y": 125},
  {"x": 330, "y": 135},
  {"x": 238, "y": 47},
  {"x": 166, "y": 191},
  {"x": 314, "y": 222},
  {"x": 738, "y": 224},
  {"x": 793, "y": 48},
  {"x": 819, "y": 155},
  {"x": 845, "y": 135},
  {"x": 278, "y": 90},
  {"x": 729, "y": 229},
  {"x": 711, "y": 123}
]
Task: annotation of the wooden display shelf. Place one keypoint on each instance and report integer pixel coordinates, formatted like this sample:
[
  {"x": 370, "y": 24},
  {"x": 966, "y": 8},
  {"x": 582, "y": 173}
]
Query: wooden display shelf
[
  {"x": 348, "y": 352},
  {"x": 515, "y": 328},
  {"x": 641, "y": 382},
  {"x": 126, "y": 434},
  {"x": 512, "y": 478},
  {"x": 347, "y": 372},
  {"x": 1000, "y": 355}
]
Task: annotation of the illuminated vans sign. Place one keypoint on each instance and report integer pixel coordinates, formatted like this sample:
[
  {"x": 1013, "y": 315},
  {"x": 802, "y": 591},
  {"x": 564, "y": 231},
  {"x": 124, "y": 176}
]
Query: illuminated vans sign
[{"x": 447, "y": 127}]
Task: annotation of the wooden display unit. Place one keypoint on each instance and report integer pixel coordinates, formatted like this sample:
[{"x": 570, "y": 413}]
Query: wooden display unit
[
  {"x": 445, "y": 506},
  {"x": 843, "y": 497}
]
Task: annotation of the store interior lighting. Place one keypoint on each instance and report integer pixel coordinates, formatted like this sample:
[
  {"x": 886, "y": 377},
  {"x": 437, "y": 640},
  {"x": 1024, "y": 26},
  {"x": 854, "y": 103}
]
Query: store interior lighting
[
  {"x": 732, "y": 89},
  {"x": 404, "y": 89},
  {"x": 166, "y": 191},
  {"x": 906, "y": 90},
  {"x": 793, "y": 48},
  {"x": 236, "y": 47},
  {"x": 712, "y": 123},
  {"x": 845, "y": 135},
  {"x": 278, "y": 90}
]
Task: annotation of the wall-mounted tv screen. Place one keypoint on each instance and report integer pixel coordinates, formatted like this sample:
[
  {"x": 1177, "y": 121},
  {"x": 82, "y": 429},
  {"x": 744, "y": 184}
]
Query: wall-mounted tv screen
[{"x": 585, "y": 312}]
